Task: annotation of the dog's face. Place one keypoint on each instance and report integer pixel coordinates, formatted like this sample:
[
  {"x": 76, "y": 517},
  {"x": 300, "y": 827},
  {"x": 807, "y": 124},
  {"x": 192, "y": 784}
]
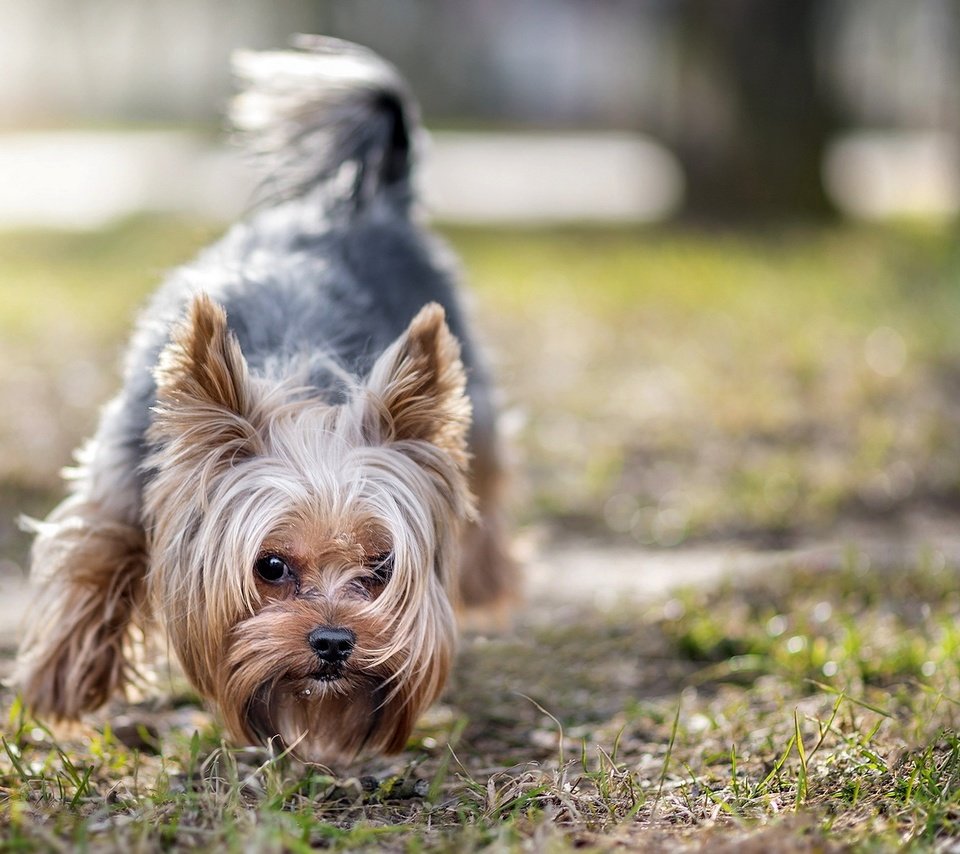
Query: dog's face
[{"x": 303, "y": 555}]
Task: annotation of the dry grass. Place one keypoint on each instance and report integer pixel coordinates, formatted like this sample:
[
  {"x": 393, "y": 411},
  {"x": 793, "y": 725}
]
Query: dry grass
[{"x": 810, "y": 710}]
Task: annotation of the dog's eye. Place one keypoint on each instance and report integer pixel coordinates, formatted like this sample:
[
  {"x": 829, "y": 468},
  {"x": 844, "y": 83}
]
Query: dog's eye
[
  {"x": 381, "y": 568},
  {"x": 272, "y": 569}
]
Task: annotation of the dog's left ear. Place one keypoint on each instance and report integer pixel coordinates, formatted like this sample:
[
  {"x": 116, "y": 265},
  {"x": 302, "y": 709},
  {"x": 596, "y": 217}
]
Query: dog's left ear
[
  {"x": 204, "y": 390},
  {"x": 416, "y": 390}
]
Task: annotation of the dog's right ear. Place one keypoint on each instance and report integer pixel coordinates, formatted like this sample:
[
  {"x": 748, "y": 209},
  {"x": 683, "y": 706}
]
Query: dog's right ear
[
  {"x": 204, "y": 389},
  {"x": 417, "y": 388}
]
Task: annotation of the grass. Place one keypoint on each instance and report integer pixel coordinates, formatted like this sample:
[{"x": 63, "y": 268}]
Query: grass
[
  {"x": 729, "y": 385},
  {"x": 706, "y": 718},
  {"x": 661, "y": 388}
]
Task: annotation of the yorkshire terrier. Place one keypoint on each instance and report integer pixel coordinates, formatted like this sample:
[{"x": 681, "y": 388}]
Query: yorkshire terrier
[{"x": 298, "y": 484}]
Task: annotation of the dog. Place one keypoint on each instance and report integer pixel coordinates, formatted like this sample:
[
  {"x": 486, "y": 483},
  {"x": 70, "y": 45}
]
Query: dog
[{"x": 298, "y": 486}]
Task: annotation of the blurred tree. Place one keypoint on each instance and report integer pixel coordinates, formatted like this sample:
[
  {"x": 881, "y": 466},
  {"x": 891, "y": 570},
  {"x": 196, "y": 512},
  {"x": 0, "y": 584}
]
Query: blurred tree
[{"x": 756, "y": 119}]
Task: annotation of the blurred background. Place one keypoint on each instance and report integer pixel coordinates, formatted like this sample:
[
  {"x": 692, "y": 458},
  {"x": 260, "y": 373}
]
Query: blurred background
[{"x": 712, "y": 244}]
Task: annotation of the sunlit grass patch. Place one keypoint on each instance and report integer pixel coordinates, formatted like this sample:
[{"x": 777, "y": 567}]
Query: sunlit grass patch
[
  {"x": 88, "y": 283},
  {"x": 881, "y": 634},
  {"x": 681, "y": 385}
]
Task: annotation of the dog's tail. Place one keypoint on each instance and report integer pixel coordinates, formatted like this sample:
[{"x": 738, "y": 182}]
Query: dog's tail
[{"x": 330, "y": 114}]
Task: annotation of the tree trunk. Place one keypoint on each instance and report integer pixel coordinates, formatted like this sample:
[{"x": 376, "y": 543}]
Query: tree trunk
[{"x": 753, "y": 133}]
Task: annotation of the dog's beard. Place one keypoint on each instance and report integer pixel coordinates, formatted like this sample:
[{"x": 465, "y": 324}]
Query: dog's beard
[
  {"x": 328, "y": 722},
  {"x": 275, "y": 690}
]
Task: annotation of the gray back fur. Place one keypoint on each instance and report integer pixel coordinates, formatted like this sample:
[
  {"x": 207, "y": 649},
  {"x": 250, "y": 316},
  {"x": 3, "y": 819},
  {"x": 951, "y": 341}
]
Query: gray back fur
[{"x": 331, "y": 268}]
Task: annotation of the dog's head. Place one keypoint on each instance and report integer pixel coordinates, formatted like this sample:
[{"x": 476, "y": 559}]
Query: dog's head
[{"x": 304, "y": 555}]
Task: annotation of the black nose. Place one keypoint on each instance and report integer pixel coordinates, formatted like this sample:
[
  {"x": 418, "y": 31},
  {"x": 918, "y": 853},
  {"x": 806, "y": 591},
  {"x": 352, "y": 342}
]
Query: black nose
[{"x": 332, "y": 645}]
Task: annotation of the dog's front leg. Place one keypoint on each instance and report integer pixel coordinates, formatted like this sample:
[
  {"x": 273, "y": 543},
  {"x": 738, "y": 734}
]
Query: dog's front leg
[{"x": 88, "y": 565}]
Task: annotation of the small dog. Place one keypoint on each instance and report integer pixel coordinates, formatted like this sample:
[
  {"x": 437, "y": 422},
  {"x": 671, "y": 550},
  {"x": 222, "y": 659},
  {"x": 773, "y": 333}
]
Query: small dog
[{"x": 290, "y": 485}]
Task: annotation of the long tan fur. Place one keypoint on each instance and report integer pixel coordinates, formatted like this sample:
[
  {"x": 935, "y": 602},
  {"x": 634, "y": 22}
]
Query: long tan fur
[
  {"x": 89, "y": 567},
  {"x": 241, "y": 468}
]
